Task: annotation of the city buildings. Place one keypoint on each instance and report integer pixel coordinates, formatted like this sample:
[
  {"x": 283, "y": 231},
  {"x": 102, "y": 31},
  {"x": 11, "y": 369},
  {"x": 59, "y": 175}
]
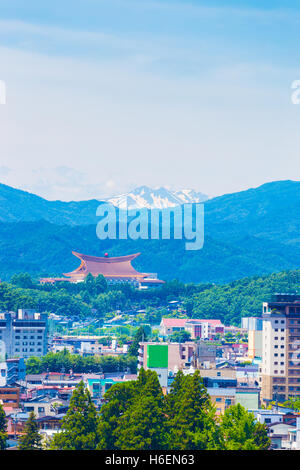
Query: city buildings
[
  {"x": 198, "y": 328},
  {"x": 254, "y": 327},
  {"x": 280, "y": 367},
  {"x": 23, "y": 334}
]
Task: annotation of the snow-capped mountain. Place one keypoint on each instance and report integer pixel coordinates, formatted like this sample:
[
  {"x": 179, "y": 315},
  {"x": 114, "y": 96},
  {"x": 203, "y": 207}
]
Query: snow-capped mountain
[{"x": 160, "y": 198}]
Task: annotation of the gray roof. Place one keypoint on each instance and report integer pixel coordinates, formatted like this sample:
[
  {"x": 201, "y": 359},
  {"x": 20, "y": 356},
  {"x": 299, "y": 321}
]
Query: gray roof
[{"x": 217, "y": 391}]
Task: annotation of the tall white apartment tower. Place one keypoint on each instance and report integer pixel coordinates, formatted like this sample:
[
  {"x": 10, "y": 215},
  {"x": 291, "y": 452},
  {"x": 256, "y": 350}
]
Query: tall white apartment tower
[{"x": 280, "y": 366}]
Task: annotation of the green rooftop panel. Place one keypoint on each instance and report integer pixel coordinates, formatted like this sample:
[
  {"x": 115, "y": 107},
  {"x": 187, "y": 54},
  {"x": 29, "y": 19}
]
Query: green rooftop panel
[{"x": 157, "y": 355}]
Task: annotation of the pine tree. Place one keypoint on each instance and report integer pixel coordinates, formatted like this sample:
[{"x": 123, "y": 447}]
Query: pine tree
[
  {"x": 143, "y": 424},
  {"x": 117, "y": 400},
  {"x": 3, "y": 433},
  {"x": 192, "y": 424},
  {"x": 32, "y": 439},
  {"x": 139, "y": 337},
  {"x": 174, "y": 394},
  {"x": 79, "y": 426}
]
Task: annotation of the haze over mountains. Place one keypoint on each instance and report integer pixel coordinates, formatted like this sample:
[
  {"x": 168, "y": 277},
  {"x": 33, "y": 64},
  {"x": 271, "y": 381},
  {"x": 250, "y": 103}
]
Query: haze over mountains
[{"x": 247, "y": 233}]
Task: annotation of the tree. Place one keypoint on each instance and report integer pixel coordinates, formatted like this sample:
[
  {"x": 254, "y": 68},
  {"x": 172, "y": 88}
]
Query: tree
[
  {"x": 241, "y": 432},
  {"x": 180, "y": 336},
  {"x": 192, "y": 422},
  {"x": 22, "y": 280},
  {"x": 3, "y": 433},
  {"x": 116, "y": 401},
  {"x": 142, "y": 425},
  {"x": 100, "y": 284},
  {"x": 79, "y": 426},
  {"x": 139, "y": 337},
  {"x": 31, "y": 439}
]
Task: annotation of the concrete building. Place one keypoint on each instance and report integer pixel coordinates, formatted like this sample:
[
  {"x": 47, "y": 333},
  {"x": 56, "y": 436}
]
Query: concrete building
[
  {"x": 24, "y": 333},
  {"x": 10, "y": 397},
  {"x": 254, "y": 326},
  {"x": 222, "y": 398},
  {"x": 198, "y": 328},
  {"x": 280, "y": 367}
]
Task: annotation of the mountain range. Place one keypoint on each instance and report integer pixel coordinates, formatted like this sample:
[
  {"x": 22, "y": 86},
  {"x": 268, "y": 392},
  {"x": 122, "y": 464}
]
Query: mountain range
[
  {"x": 248, "y": 233},
  {"x": 159, "y": 198}
]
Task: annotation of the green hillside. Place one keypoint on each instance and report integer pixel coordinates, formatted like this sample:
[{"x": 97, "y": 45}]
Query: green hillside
[{"x": 253, "y": 232}]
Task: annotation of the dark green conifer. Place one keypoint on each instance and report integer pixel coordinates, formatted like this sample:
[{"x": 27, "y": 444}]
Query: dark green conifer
[{"x": 31, "y": 439}]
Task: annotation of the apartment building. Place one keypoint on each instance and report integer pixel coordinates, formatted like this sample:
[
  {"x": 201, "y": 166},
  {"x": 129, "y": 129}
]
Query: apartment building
[
  {"x": 280, "y": 367},
  {"x": 23, "y": 334}
]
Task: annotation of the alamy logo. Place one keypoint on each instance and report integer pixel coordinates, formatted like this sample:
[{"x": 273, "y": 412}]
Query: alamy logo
[
  {"x": 183, "y": 222},
  {"x": 2, "y": 92}
]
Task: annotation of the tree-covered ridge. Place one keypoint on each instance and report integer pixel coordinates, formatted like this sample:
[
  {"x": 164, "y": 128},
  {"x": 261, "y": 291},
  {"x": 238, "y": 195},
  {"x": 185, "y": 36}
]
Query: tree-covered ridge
[
  {"x": 242, "y": 298},
  {"x": 253, "y": 232},
  {"x": 94, "y": 297},
  {"x": 137, "y": 415}
]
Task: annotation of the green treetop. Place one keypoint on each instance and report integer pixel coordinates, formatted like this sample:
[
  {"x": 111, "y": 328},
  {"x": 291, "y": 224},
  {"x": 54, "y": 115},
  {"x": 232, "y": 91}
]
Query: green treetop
[
  {"x": 241, "y": 432},
  {"x": 31, "y": 439},
  {"x": 79, "y": 426}
]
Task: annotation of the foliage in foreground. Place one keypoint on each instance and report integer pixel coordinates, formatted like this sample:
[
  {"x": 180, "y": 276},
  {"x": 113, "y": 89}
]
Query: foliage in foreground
[
  {"x": 137, "y": 415},
  {"x": 3, "y": 434}
]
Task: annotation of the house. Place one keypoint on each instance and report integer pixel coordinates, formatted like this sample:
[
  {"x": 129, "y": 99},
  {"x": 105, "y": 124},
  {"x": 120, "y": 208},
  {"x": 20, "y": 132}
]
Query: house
[
  {"x": 222, "y": 398},
  {"x": 10, "y": 397},
  {"x": 43, "y": 406},
  {"x": 279, "y": 434}
]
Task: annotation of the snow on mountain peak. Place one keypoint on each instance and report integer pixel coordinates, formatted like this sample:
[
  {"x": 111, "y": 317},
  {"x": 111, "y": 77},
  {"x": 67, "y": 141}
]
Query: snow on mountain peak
[{"x": 160, "y": 198}]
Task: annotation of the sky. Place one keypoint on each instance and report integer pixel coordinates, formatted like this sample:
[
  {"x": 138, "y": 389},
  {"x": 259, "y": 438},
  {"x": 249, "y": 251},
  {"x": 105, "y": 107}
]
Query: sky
[{"x": 103, "y": 96}]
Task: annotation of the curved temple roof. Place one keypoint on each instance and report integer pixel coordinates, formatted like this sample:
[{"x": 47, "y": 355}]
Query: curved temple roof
[{"x": 110, "y": 267}]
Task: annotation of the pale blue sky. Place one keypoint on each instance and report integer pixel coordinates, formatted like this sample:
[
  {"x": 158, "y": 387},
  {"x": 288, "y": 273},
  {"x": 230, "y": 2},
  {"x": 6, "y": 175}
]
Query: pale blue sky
[{"x": 106, "y": 95}]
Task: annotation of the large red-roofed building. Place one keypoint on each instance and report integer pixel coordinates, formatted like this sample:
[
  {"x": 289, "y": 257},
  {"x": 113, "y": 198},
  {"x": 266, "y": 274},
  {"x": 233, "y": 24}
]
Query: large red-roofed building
[{"x": 114, "y": 269}]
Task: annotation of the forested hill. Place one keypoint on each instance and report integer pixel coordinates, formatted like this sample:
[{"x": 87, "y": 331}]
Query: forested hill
[
  {"x": 227, "y": 302},
  {"x": 241, "y": 298},
  {"x": 253, "y": 232}
]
